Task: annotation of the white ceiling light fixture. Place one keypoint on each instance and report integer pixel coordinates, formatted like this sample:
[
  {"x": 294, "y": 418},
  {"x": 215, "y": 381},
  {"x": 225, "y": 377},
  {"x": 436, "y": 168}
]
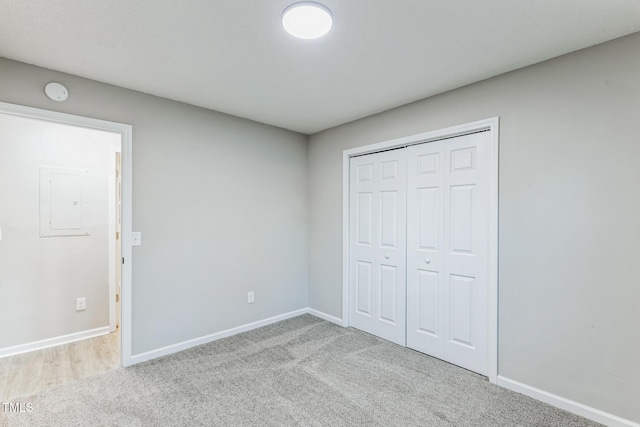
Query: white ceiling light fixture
[{"x": 307, "y": 20}]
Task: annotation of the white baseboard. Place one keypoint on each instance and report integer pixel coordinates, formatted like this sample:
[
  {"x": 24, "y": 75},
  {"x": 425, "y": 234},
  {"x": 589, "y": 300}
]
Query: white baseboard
[
  {"x": 566, "y": 404},
  {"x": 324, "y": 316},
  {"x": 174, "y": 348},
  {"x": 52, "y": 342}
]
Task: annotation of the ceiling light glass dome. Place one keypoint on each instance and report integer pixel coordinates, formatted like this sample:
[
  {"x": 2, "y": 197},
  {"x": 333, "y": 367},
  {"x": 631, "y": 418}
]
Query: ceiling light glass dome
[{"x": 307, "y": 20}]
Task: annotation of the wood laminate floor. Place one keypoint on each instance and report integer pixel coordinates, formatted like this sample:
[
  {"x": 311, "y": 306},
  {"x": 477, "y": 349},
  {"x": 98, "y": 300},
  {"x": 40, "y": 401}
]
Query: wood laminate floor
[{"x": 35, "y": 371}]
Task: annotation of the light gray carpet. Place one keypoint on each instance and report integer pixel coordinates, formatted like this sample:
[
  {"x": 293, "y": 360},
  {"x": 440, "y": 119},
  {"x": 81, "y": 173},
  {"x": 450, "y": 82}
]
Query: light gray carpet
[{"x": 299, "y": 372}]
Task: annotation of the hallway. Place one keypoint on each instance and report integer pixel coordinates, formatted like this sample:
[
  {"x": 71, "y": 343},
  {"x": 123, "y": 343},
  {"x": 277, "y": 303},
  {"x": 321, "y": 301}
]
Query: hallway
[{"x": 31, "y": 372}]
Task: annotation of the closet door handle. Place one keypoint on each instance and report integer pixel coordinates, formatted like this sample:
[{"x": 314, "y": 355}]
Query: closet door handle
[
  {"x": 427, "y": 261},
  {"x": 386, "y": 256}
]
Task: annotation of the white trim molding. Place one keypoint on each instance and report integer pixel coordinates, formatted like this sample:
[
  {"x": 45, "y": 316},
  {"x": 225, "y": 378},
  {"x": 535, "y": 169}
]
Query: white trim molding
[
  {"x": 593, "y": 414},
  {"x": 324, "y": 316},
  {"x": 53, "y": 342},
  {"x": 113, "y": 262},
  {"x": 126, "y": 132},
  {"x": 491, "y": 125},
  {"x": 184, "y": 345}
]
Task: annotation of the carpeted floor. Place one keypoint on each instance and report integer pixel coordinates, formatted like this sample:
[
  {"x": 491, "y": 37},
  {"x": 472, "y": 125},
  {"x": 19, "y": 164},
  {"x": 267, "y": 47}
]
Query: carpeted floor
[{"x": 299, "y": 372}]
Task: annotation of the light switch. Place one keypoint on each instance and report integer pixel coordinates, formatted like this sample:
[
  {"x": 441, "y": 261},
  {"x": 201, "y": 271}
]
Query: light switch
[{"x": 136, "y": 238}]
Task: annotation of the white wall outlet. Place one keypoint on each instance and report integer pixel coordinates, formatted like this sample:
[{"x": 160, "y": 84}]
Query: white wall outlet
[
  {"x": 251, "y": 297},
  {"x": 81, "y": 303}
]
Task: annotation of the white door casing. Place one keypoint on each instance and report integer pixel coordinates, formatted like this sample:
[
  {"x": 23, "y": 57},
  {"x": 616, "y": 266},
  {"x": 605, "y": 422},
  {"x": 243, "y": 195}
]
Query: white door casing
[
  {"x": 115, "y": 250},
  {"x": 448, "y": 245},
  {"x": 378, "y": 244}
]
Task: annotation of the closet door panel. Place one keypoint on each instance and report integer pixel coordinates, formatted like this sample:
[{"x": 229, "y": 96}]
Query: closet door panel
[
  {"x": 467, "y": 161},
  {"x": 447, "y": 249},
  {"x": 425, "y": 237},
  {"x": 378, "y": 244}
]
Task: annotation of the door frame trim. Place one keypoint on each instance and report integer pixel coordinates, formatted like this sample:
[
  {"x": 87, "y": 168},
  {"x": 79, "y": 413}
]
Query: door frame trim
[
  {"x": 112, "y": 190},
  {"x": 126, "y": 134},
  {"x": 492, "y": 126}
]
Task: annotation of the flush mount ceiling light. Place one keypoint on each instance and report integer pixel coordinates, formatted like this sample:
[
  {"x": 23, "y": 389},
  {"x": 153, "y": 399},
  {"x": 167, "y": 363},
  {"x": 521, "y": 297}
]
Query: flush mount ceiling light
[{"x": 307, "y": 20}]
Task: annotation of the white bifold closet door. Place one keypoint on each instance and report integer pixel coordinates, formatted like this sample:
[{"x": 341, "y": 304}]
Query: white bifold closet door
[
  {"x": 419, "y": 247},
  {"x": 378, "y": 244},
  {"x": 447, "y": 249}
]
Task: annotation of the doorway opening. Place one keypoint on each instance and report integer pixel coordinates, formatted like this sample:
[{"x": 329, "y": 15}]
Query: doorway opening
[{"x": 64, "y": 221}]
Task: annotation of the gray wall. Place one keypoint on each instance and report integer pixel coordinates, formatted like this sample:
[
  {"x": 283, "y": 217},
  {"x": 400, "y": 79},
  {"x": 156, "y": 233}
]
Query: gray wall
[
  {"x": 569, "y": 216},
  {"x": 40, "y": 303},
  {"x": 221, "y": 203}
]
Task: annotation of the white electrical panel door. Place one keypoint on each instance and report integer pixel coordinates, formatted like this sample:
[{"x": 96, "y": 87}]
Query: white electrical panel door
[
  {"x": 63, "y": 204},
  {"x": 377, "y": 282},
  {"x": 447, "y": 249}
]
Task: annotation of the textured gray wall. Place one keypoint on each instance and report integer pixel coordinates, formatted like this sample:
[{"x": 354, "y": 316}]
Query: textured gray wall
[
  {"x": 569, "y": 216},
  {"x": 221, "y": 203}
]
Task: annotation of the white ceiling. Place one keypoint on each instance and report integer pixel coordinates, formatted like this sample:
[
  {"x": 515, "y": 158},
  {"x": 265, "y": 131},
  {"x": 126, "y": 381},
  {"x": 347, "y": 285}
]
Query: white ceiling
[{"x": 233, "y": 56}]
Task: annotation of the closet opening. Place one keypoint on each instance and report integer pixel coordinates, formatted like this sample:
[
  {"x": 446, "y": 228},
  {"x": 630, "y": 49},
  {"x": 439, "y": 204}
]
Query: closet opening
[{"x": 420, "y": 243}]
